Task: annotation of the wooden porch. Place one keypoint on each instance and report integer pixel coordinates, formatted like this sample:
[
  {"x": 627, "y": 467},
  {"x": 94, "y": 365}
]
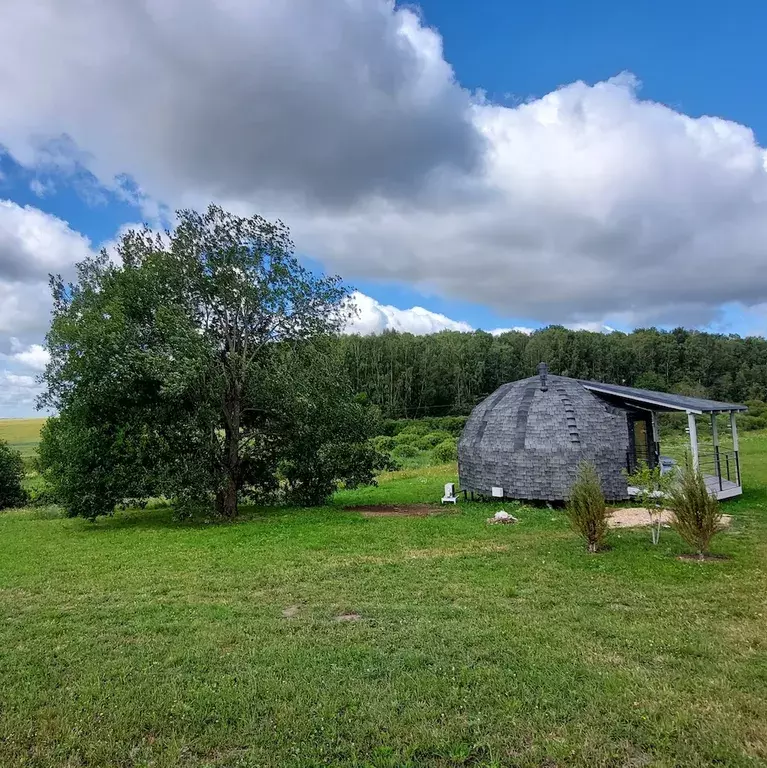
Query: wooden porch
[{"x": 717, "y": 460}]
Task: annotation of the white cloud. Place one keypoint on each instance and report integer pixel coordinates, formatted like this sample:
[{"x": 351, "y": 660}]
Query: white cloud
[
  {"x": 594, "y": 326},
  {"x": 17, "y": 394},
  {"x": 593, "y": 204},
  {"x": 42, "y": 188},
  {"x": 516, "y": 329},
  {"x": 35, "y": 356},
  {"x": 32, "y": 245},
  {"x": 374, "y": 317},
  {"x": 587, "y": 206},
  {"x": 326, "y": 101}
]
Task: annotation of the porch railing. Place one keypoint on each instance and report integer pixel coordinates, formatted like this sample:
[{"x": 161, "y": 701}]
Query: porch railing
[{"x": 723, "y": 465}]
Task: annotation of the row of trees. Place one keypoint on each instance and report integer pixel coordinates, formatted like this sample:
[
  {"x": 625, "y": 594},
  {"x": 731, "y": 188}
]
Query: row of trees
[{"x": 449, "y": 372}]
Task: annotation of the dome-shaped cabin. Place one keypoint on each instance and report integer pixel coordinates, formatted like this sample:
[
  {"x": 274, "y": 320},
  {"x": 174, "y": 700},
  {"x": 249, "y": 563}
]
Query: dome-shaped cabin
[{"x": 528, "y": 438}]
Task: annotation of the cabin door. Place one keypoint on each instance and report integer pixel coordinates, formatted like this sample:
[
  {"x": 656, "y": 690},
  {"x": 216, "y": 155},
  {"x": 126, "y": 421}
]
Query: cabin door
[{"x": 640, "y": 442}]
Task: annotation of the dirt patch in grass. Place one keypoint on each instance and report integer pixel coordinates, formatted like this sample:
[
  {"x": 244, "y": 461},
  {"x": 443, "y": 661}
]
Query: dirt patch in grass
[
  {"x": 704, "y": 559},
  {"x": 398, "y": 510},
  {"x": 637, "y": 517},
  {"x": 348, "y": 617}
]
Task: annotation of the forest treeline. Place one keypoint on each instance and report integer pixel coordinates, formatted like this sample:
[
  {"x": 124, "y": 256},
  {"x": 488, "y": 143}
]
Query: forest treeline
[{"x": 447, "y": 373}]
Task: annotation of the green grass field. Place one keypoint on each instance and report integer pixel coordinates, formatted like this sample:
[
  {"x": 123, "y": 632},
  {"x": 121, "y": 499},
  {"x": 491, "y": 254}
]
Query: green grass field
[{"x": 138, "y": 641}]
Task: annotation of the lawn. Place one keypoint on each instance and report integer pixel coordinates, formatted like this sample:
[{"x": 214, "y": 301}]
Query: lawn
[{"x": 319, "y": 637}]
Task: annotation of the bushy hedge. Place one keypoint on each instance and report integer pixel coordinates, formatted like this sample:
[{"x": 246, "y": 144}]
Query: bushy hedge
[
  {"x": 433, "y": 439},
  {"x": 452, "y": 424},
  {"x": 384, "y": 443},
  {"x": 12, "y": 493},
  {"x": 405, "y": 451},
  {"x": 446, "y": 451}
]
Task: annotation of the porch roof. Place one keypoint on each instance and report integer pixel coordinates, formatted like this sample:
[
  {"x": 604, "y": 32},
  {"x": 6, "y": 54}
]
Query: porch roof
[{"x": 660, "y": 401}]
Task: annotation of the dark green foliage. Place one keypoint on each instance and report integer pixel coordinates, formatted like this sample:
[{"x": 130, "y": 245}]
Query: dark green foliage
[
  {"x": 756, "y": 418},
  {"x": 446, "y": 451},
  {"x": 452, "y": 424},
  {"x": 324, "y": 435},
  {"x": 12, "y": 493},
  {"x": 586, "y": 508},
  {"x": 433, "y": 439},
  {"x": 405, "y": 451},
  {"x": 448, "y": 373},
  {"x": 384, "y": 443},
  {"x": 201, "y": 368},
  {"x": 408, "y": 438},
  {"x": 697, "y": 517}
]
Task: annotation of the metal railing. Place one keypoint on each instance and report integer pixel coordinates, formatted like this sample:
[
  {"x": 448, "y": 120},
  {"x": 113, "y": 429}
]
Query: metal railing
[{"x": 723, "y": 465}]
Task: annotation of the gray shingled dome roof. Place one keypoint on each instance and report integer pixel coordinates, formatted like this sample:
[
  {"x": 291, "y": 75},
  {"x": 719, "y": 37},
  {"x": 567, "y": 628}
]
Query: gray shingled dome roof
[{"x": 529, "y": 437}]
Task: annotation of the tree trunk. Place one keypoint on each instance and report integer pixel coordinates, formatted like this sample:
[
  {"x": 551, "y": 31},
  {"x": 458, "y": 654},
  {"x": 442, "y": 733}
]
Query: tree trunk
[{"x": 226, "y": 497}]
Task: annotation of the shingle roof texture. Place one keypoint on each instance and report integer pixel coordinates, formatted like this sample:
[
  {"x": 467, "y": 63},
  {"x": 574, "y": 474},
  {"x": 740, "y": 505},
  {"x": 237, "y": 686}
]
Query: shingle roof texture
[{"x": 530, "y": 441}]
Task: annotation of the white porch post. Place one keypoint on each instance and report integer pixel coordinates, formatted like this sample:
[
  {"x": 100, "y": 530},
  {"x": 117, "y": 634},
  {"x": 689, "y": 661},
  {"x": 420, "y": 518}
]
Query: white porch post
[
  {"x": 693, "y": 439},
  {"x": 734, "y": 428}
]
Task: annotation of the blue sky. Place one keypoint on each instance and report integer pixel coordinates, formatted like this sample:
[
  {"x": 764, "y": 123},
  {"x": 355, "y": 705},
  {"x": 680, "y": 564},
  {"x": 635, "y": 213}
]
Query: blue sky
[{"x": 497, "y": 164}]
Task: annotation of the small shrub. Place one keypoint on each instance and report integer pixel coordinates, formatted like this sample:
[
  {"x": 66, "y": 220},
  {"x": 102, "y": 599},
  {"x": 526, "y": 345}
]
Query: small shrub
[
  {"x": 586, "y": 509},
  {"x": 452, "y": 424},
  {"x": 748, "y": 423},
  {"x": 446, "y": 451},
  {"x": 405, "y": 451},
  {"x": 697, "y": 517},
  {"x": 12, "y": 493},
  {"x": 419, "y": 428},
  {"x": 384, "y": 443},
  {"x": 42, "y": 495},
  {"x": 652, "y": 488},
  {"x": 433, "y": 439}
]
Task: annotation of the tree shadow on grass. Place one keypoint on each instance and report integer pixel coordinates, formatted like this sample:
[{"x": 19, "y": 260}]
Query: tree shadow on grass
[{"x": 164, "y": 518}]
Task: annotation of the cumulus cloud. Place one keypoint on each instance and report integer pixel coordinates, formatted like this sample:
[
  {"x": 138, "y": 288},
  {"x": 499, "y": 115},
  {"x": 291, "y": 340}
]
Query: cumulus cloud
[
  {"x": 32, "y": 245},
  {"x": 515, "y": 329},
  {"x": 326, "y": 101},
  {"x": 373, "y": 317},
  {"x": 17, "y": 393},
  {"x": 35, "y": 356},
  {"x": 588, "y": 205},
  {"x": 596, "y": 205}
]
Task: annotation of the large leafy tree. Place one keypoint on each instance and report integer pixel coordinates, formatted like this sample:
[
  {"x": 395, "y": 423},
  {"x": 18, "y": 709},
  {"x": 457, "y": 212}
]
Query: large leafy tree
[{"x": 198, "y": 366}]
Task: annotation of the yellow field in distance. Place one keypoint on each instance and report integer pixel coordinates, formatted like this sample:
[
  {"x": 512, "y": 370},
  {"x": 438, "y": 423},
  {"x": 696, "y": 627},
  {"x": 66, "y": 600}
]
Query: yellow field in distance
[{"x": 21, "y": 434}]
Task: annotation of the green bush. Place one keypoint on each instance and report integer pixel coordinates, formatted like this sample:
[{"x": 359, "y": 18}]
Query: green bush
[
  {"x": 407, "y": 438},
  {"x": 405, "y": 451},
  {"x": 427, "y": 442},
  {"x": 697, "y": 517},
  {"x": 446, "y": 451},
  {"x": 586, "y": 509},
  {"x": 419, "y": 427},
  {"x": 12, "y": 493},
  {"x": 452, "y": 424},
  {"x": 384, "y": 443},
  {"x": 748, "y": 423}
]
